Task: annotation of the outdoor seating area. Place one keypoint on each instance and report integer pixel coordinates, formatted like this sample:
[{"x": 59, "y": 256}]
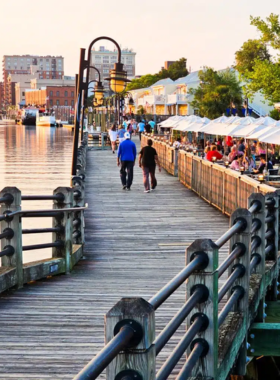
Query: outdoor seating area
[{"x": 260, "y": 142}]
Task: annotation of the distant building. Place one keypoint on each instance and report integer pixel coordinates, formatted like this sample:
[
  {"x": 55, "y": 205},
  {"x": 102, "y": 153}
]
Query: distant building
[
  {"x": 167, "y": 64},
  {"x": 49, "y": 67},
  {"x": 1, "y": 96},
  {"x": 51, "y": 96},
  {"x": 104, "y": 61}
]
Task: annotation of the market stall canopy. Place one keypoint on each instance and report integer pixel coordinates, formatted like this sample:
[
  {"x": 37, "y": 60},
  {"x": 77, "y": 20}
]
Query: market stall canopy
[
  {"x": 192, "y": 124},
  {"x": 171, "y": 121},
  {"x": 184, "y": 123},
  {"x": 271, "y": 136},
  {"x": 218, "y": 126},
  {"x": 258, "y": 125}
]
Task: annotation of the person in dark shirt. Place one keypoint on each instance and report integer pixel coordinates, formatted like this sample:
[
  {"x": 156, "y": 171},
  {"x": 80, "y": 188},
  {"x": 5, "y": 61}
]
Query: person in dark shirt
[
  {"x": 148, "y": 128},
  {"x": 263, "y": 165},
  {"x": 148, "y": 159},
  {"x": 241, "y": 146}
]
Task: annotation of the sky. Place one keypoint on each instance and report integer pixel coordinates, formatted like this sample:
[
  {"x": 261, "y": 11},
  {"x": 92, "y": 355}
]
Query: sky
[{"x": 207, "y": 33}]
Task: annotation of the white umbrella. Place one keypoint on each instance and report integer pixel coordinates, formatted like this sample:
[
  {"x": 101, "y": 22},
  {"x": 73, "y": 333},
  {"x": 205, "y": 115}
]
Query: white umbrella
[
  {"x": 184, "y": 124},
  {"x": 218, "y": 126},
  {"x": 197, "y": 125},
  {"x": 171, "y": 121},
  {"x": 259, "y": 125},
  {"x": 272, "y": 136}
]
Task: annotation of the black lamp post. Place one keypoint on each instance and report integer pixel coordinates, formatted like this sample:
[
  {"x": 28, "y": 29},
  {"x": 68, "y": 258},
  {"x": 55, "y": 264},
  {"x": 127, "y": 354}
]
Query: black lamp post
[{"x": 117, "y": 81}]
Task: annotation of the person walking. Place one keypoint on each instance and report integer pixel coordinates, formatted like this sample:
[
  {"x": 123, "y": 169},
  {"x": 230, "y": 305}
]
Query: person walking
[
  {"x": 113, "y": 133},
  {"x": 126, "y": 159},
  {"x": 148, "y": 159},
  {"x": 141, "y": 128},
  {"x": 121, "y": 133}
]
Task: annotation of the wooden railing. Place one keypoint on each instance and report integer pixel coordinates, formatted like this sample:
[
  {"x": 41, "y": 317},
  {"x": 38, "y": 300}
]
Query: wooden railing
[
  {"x": 223, "y": 188},
  {"x": 67, "y": 230},
  {"x": 215, "y": 342}
]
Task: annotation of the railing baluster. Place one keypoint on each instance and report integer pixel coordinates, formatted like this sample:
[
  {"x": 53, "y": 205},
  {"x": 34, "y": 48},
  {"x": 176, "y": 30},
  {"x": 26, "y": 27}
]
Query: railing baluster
[
  {"x": 208, "y": 277},
  {"x": 67, "y": 227},
  {"x": 14, "y": 260},
  {"x": 140, "y": 357}
]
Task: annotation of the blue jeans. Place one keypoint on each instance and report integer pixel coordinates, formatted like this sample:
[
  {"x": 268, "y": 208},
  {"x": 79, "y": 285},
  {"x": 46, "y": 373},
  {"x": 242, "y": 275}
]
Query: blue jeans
[{"x": 126, "y": 173}]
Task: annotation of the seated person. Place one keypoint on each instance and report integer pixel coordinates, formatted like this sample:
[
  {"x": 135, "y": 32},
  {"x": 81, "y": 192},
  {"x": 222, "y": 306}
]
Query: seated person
[
  {"x": 237, "y": 162},
  {"x": 263, "y": 165},
  {"x": 213, "y": 153},
  {"x": 177, "y": 143}
]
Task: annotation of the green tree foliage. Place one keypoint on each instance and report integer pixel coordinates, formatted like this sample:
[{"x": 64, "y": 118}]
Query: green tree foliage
[
  {"x": 217, "y": 91},
  {"x": 250, "y": 51},
  {"x": 263, "y": 73},
  {"x": 176, "y": 70},
  {"x": 275, "y": 114}
]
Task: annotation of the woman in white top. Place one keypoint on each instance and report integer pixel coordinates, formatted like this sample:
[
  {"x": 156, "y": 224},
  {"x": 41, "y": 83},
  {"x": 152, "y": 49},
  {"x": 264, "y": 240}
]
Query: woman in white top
[{"x": 113, "y": 133}]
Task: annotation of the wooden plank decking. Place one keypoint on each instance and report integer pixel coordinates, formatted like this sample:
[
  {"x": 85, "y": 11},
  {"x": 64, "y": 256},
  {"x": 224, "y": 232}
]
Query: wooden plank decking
[{"x": 135, "y": 243}]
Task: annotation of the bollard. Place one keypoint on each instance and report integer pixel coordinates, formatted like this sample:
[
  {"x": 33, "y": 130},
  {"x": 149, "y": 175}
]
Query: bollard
[
  {"x": 14, "y": 276},
  {"x": 259, "y": 217},
  {"x": 140, "y": 357},
  {"x": 208, "y": 278},
  {"x": 243, "y": 237},
  {"x": 67, "y": 223}
]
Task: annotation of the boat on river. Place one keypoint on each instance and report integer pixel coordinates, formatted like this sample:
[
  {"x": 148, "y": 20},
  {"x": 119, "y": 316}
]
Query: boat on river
[
  {"x": 45, "y": 119},
  {"x": 28, "y": 115}
]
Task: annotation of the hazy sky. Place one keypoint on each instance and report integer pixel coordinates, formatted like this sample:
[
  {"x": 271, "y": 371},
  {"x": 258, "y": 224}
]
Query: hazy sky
[{"x": 205, "y": 32}]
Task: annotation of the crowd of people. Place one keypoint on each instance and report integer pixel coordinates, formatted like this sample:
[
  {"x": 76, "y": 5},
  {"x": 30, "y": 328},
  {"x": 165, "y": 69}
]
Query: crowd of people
[{"x": 240, "y": 154}]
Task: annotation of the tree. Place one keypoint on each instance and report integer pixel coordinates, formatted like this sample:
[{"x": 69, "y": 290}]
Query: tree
[
  {"x": 263, "y": 74},
  {"x": 250, "y": 51},
  {"x": 217, "y": 91},
  {"x": 176, "y": 70}
]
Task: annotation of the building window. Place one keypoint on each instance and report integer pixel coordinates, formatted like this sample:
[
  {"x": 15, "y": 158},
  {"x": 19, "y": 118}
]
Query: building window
[
  {"x": 57, "y": 93},
  {"x": 23, "y": 93},
  {"x": 65, "y": 93},
  {"x": 57, "y": 102},
  {"x": 72, "y": 94},
  {"x": 51, "y": 102},
  {"x": 66, "y": 102},
  {"x": 51, "y": 93},
  {"x": 105, "y": 71},
  {"x": 72, "y": 103}
]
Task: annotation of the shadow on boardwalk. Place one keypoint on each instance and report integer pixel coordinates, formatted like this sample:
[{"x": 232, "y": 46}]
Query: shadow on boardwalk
[{"x": 135, "y": 243}]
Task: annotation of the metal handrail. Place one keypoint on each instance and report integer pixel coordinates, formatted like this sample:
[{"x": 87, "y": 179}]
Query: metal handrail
[
  {"x": 7, "y": 198},
  {"x": 34, "y": 212},
  {"x": 255, "y": 260},
  {"x": 58, "y": 197},
  {"x": 269, "y": 234},
  {"x": 178, "y": 319},
  {"x": 256, "y": 225},
  {"x": 7, "y": 233},
  {"x": 238, "y": 272},
  {"x": 237, "y": 227},
  {"x": 95, "y": 367},
  {"x": 269, "y": 249},
  {"x": 7, "y": 251},
  {"x": 238, "y": 251},
  {"x": 270, "y": 219},
  {"x": 57, "y": 230},
  {"x": 180, "y": 349},
  {"x": 56, "y": 244},
  {"x": 197, "y": 352},
  {"x": 256, "y": 206},
  {"x": 237, "y": 294},
  {"x": 200, "y": 261}
]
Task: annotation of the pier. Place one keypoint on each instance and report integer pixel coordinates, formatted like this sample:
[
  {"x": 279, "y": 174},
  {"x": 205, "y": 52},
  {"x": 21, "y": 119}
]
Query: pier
[{"x": 132, "y": 245}]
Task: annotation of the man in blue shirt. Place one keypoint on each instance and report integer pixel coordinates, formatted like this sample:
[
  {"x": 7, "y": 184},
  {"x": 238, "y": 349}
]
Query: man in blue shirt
[
  {"x": 126, "y": 158},
  {"x": 141, "y": 128},
  {"x": 152, "y": 124}
]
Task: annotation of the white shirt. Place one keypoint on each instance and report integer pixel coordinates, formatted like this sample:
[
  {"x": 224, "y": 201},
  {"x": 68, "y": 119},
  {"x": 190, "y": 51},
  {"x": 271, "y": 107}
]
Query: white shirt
[{"x": 113, "y": 135}]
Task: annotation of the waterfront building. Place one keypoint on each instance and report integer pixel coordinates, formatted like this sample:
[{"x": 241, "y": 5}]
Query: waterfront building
[
  {"x": 49, "y": 67},
  {"x": 1, "y": 95},
  {"x": 104, "y": 60},
  {"x": 51, "y": 96},
  {"x": 168, "y": 97}
]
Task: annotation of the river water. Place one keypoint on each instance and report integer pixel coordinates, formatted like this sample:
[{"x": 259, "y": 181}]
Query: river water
[{"x": 36, "y": 160}]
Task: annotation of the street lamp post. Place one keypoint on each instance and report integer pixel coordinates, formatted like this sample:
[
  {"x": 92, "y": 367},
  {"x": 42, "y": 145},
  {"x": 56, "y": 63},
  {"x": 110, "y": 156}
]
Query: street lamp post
[{"x": 117, "y": 82}]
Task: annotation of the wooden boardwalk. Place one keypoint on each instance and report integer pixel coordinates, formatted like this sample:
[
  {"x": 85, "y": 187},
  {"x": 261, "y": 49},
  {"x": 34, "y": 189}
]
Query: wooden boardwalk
[{"x": 135, "y": 243}]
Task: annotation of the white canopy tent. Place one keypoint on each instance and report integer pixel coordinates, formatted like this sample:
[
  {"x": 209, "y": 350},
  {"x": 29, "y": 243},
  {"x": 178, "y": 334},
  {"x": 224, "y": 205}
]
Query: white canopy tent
[
  {"x": 171, "y": 121},
  {"x": 258, "y": 125},
  {"x": 269, "y": 135},
  {"x": 218, "y": 126},
  {"x": 183, "y": 125}
]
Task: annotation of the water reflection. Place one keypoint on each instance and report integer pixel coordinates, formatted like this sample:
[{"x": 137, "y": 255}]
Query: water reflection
[{"x": 36, "y": 160}]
